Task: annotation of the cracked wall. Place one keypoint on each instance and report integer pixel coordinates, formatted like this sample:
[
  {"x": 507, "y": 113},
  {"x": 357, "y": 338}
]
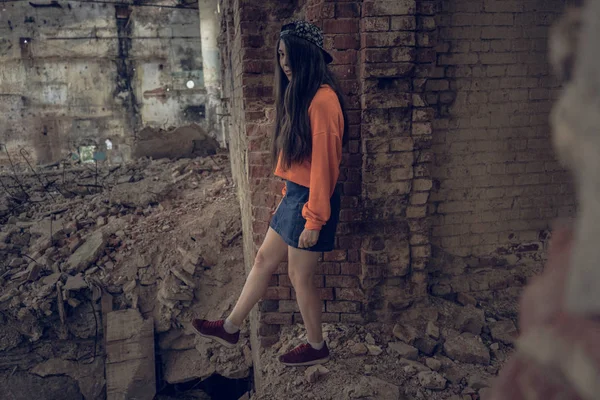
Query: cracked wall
[{"x": 79, "y": 73}]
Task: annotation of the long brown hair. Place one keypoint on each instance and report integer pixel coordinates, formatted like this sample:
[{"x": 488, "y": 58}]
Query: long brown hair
[{"x": 292, "y": 137}]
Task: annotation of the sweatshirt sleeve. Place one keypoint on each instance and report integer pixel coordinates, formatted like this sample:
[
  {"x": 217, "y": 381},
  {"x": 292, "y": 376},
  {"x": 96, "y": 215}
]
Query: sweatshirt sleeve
[{"x": 327, "y": 127}]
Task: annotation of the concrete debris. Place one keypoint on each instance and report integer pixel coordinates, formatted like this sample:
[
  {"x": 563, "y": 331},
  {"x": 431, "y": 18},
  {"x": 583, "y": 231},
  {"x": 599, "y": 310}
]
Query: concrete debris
[
  {"x": 467, "y": 348},
  {"x": 313, "y": 373},
  {"x": 130, "y": 369},
  {"x": 359, "y": 349},
  {"x": 504, "y": 331},
  {"x": 466, "y": 299},
  {"x": 454, "y": 374},
  {"x": 184, "y": 277},
  {"x": 433, "y": 330},
  {"x": 33, "y": 271},
  {"x": 477, "y": 382},
  {"x": 431, "y": 380},
  {"x": 18, "y": 385},
  {"x": 411, "y": 368},
  {"x": 433, "y": 364},
  {"x": 374, "y": 350},
  {"x": 87, "y": 253},
  {"x": 404, "y": 350},
  {"x": 426, "y": 345},
  {"x": 51, "y": 279},
  {"x": 187, "y": 365},
  {"x": 470, "y": 319},
  {"x": 407, "y": 334},
  {"x": 75, "y": 283},
  {"x": 89, "y": 377}
]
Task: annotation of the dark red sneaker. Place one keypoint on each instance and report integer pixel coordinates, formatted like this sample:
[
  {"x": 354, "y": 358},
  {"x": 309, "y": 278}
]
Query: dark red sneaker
[
  {"x": 304, "y": 355},
  {"x": 215, "y": 330}
]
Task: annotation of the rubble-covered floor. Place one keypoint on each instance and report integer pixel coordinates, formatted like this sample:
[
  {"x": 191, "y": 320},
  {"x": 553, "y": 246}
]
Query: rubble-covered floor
[
  {"x": 161, "y": 237},
  {"x": 440, "y": 350},
  {"x": 161, "y": 240}
]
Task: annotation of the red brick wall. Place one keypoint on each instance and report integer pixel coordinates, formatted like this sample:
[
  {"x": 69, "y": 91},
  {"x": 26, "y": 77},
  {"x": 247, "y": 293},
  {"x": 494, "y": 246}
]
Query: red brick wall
[
  {"x": 396, "y": 133},
  {"x": 448, "y": 174},
  {"x": 498, "y": 184}
]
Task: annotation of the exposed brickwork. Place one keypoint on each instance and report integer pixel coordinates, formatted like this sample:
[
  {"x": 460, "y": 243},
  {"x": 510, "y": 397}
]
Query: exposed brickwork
[
  {"x": 396, "y": 131},
  {"x": 498, "y": 184},
  {"x": 448, "y": 174}
]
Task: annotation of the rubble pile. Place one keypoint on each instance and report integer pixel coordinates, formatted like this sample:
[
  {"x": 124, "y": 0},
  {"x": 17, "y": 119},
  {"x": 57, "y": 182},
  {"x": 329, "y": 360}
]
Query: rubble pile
[
  {"x": 159, "y": 237},
  {"x": 439, "y": 350}
]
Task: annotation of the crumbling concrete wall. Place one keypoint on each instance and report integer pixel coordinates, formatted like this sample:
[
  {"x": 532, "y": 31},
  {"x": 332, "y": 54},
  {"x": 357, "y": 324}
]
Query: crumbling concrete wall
[
  {"x": 79, "y": 73},
  {"x": 498, "y": 185}
]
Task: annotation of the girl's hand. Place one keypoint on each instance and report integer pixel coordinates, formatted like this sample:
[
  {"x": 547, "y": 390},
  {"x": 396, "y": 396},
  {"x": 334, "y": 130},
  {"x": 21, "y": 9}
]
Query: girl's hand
[{"x": 308, "y": 239}]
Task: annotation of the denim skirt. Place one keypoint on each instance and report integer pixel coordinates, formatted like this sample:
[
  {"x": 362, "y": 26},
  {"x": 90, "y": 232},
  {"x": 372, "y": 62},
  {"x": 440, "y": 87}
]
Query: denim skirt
[{"x": 288, "y": 221}]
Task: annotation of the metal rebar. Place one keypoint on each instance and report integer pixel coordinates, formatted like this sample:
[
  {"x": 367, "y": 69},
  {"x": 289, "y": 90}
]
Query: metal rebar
[{"x": 23, "y": 153}]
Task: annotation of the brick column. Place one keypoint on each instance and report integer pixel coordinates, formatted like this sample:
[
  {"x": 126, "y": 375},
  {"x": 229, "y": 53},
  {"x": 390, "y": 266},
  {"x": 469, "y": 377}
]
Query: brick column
[{"x": 396, "y": 138}]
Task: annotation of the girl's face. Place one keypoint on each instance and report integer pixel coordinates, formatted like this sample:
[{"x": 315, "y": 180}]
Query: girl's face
[{"x": 283, "y": 60}]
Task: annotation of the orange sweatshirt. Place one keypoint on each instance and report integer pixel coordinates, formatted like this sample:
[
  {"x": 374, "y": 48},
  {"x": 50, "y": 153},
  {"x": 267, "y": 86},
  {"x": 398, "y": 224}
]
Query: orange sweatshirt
[{"x": 321, "y": 172}]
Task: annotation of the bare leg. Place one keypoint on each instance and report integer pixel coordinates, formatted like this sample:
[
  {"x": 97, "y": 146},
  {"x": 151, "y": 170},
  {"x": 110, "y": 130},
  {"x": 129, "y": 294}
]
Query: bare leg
[
  {"x": 302, "y": 265},
  {"x": 272, "y": 252}
]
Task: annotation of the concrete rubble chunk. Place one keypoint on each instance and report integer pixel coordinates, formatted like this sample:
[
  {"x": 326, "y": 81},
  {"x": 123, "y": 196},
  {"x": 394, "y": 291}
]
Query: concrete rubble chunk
[
  {"x": 414, "y": 365},
  {"x": 426, "y": 345},
  {"x": 88, "y": 252},
  {"x": 370, "y": 339},
  {"x": 9, "y": 295},
  {"x": 184, "y": 366},
  {"x": 359, "y": 349},
  {"x": 405, "y": 333},
  {"x": 371, "y": 387},
  {"x": 184, "y": 277},
  {"x": 16, "y": 262},
  {"x": 404, "y": 350},
  {"x": 130, "y": 369},
  {"x": 51, "y": 279},
  {"x": 504, "y": 331},
  {"x": 33, "y": 271},
  {"x": 467, "y": 348},
  {"x": 374, "y": 350},
  {"x": 454, "y": 374},
  {"x": 433, "y": 364},
  {"x": 433, "y": 330},
  {"x": 313, "y": 373},
  {"x": 477, "y": 382},
  {"x": 431, "y": 380},
  {"x": 75, "y": 283},
  {"x": 470, "y": 319},
  {"x": 20, "y": 385},
  {"x": 466, "y": 299},
  {"x": 172, "y": 290},
  {"x": 89, "y": 377}
]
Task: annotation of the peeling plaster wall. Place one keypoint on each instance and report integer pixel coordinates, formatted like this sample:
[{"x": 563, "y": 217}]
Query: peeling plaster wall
[{"x": 84, "y": 72}]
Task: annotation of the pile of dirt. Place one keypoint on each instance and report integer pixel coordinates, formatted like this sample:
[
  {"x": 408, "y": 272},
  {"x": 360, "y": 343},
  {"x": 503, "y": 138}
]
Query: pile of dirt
[
  {"x": 440, "y": 350},
  {"x": 162, "y": 237}
]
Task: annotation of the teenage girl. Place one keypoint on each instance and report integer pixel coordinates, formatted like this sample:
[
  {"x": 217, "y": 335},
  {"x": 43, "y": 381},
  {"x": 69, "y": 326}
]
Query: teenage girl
[{"x": 309, "y": 134}]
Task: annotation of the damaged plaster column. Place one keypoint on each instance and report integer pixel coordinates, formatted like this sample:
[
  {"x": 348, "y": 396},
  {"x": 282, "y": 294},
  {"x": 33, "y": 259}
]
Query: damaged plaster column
[{"x": 209, "y": 31}]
